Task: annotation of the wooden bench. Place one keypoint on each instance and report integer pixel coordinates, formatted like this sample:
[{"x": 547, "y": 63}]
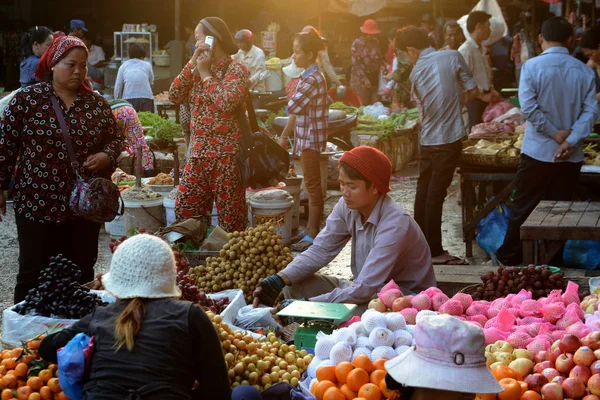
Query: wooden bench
[
  {"x": 452, "y": 278},
  {"x": 552, "y": 223}
]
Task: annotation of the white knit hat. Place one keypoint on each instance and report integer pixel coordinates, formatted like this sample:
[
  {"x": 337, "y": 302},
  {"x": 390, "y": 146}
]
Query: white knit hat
[{"x": 142, "y": 266}]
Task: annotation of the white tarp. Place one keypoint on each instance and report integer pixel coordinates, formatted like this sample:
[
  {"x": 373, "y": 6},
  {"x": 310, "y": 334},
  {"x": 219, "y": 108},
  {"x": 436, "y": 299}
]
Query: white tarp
[{"x": 498, "y": 24}]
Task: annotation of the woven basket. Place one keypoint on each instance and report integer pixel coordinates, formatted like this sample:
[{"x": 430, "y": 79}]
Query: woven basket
[
  {"x": 470, "y": 290},
  {"x": 6, "y": 346},
  {"x": 490, "y": 160}
]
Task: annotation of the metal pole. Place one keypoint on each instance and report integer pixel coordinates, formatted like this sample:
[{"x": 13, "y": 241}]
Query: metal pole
[{"x": 177, "y": 18}]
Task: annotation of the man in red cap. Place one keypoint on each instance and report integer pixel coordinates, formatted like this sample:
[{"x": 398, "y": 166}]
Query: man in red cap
[{"x": 386, "y": 242}]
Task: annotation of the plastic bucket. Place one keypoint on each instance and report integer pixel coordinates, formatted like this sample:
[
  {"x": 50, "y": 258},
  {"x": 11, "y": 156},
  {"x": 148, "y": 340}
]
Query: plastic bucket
[
  {"x": 277, "y": 212},
  {"x": 116, "y": 227},
  {"x": 143, "y": 214},
  {"x": 275, "y": 80},
  {"x": 294, "y": 187},
  {"x": 169, "y": 205}
]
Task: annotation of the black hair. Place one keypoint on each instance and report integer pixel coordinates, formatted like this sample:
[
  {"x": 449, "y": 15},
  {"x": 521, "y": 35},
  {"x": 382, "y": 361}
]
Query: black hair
[
  {"x": 37, "y": 34},
  {"x": 137, "y": 51},
  {"x": 411, "y": 36},
  {"x": 450, "y": 24},
  {"x": 311, "y": 42},
  {"x": 591, "y": 38},
  {"x": 354, "y": 174},
  {"x": 557, "y": 29},
  {"x": 476, "y": 17},
  {"x": 406, "y": 392}
]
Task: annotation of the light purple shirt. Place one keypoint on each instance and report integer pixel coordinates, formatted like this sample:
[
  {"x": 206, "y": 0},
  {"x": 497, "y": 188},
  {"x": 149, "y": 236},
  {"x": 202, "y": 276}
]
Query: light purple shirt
[{"x": 390, "y": 245}]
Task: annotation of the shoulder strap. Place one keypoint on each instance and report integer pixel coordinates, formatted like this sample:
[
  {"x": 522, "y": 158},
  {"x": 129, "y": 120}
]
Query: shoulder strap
[
  {"x": 240, "y": 110},
  {"x": 65, "y": 132}
]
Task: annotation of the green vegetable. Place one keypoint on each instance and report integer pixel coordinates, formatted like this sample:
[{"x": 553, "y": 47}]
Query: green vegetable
[
  {"x": 150, "y": 119},
  {"x": 271, "y": 118},
  {"x": 338, "y": 104}
]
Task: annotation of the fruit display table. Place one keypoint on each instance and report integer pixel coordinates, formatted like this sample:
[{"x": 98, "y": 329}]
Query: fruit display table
[
  {"x": 552, "y": 223},
  {"x": 401, "y": 148},
  {"x": 453, "y": 278},
  {"x": 479, "y": 184}
]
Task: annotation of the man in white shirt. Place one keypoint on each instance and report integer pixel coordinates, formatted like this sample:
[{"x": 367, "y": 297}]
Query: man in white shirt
[
  {"x": 478, "y": 26},
  {"x": 252, "y": 57}
]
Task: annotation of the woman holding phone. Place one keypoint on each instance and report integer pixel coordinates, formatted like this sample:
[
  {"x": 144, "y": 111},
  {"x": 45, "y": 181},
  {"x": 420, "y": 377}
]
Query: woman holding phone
[{"x": 215, "y": 86}]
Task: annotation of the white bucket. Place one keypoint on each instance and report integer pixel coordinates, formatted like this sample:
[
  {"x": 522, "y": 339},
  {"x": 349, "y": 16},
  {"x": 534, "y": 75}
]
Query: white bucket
[
  {"x": 169, "y": 205},
  {"x": 275, "y": 80},
  {"x": 116, "y": 227},
  {"x": 279, "y": 213},
  {"x": 143, "y": 214},
  {"x": 294, "y": 187}
]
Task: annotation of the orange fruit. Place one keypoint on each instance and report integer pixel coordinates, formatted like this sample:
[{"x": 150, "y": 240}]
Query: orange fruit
[
  {"x": 61, "y": 396},
  {"x": 370, "y": 392},
  {"x": 35, "y": 396},
  {"x": 23, "y": 392},
  {"x": 16, "y": 352},
  {"x": 46, "y": 393},
  {"x": 326, "y": 373},
  {"x": 321, "y": 388},
  {"x": 502, "y": 371},
  {"x": 485, "y": 397},
  {"x": 359, "y": 398},
  {"x": 377, "y": 376},
  {"x": 357, "y": 378},
  {"x": 379, "y": 364},
  {"x": 349, "y": 393},
  {"x": 54, "y": 385},
  {"x": 21, "y": 370},
  {"x": 524, "y": 387},
  {"x": 9, "y": 381},
  {"x": 7, "y": 394},
  {"x": 27, "y": 358},
  {"x": 363, "y": 361},
  {"x": 512, "y": 389},
  {"x": 333, "y": 393},
  {"x": 21, "y": 383},
  {"x": 34, "y": 344},
  {"x": 342, "y": 370},
  {"x": 531, "y": 395},
  {"x": 35, "y": 382},
  {"x": 45, "y": 375},
  {"x": 10, "y": 363},
  {"x": 387, "y": 393},
  {"x": 5, "y": 354},
  {"x": 53, "y": 368}
]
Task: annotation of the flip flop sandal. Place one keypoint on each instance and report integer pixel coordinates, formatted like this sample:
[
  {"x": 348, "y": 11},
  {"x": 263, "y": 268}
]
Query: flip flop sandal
[
  {"x": 299, "y": 237},
  {"x": 300, "y": 249},
  {"x": 453, "y": 261}
]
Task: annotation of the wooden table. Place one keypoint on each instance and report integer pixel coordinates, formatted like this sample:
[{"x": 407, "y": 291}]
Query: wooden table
[
  {"x": 480, "y": 183},
  {"x": 452, "y": 278},
  {"x": 552, "y": 223},
  {"x": 162, "y": 107}
]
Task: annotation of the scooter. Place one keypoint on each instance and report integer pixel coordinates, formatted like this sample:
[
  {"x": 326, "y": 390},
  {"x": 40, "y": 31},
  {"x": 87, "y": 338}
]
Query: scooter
[{"x": 269, "y": 101}]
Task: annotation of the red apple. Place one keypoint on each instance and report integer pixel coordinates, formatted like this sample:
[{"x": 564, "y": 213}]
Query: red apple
[
  {"x": 584, "y": 356},
  {"x": 569, "y": 343},
  {"x": 558, "y": 379},
  {"x": 592, "y": 340},
  {"x": 550, "y": 373},
  {"x": 538, "y": 368},
  {"x": 401, "y": 303},
  {"x": 573, "y": 388},
  {"x": 554, "y": 354},
  {"x": 541, "y": 356},
  {"x": 591, "y": 397},
  {"x": 580, "y": 373},
  {"x": 595, "y": 367},
  {"x": 593, "y": 385},
  {"x": 564, "y": 363},
  {"x": 552, "y": 391},
  {"x": 536, "y": 381}
]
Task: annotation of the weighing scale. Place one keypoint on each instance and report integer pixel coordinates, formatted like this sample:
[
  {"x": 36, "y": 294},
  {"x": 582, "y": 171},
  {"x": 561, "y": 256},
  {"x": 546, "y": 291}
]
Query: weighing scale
[{"x": 316, "y": 317}]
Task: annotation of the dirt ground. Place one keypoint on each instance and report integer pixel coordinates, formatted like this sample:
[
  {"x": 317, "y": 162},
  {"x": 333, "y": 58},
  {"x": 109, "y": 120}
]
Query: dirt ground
[{"x": 403, "y": 192}]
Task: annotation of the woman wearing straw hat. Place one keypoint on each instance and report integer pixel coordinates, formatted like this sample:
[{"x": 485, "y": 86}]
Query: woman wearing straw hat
[
  {"x": 149, "y": 344},
  {"x": 366, "y": 62},
  {"x": 447, "y": 362}
]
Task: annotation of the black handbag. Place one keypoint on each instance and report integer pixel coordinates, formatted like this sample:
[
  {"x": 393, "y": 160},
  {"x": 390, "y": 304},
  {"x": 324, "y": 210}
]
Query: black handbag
[{"x": 262, "y": 162}]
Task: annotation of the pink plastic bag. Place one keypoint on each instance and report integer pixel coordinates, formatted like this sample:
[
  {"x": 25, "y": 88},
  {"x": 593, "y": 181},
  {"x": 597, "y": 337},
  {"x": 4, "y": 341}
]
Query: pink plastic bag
[
  {"x": 529, "y": 308},
  {"x": 518, "y": 340},
  {"x": 500, "y": 303},
  {"x": 480, "y": 319},
  {"x": 579, "y": 329},
  {"x": 438, "y": 300},
  {"x": 493, "y": 312},
  {"x": 552, "y": 312},
  {"x": 496, "y": 110},
  {"x": 575, "y": 307},
  {"x": 432, "y": 291},
  {"x": 492, "y": 335},
  {"x": 519, "y": 298},
  {"x": 478, "y": 308},
  {"x": 571, "y": 317},
  {"x": 352, "y": 320},
  {"x": 571, "y": 293},
  {"x": 539, "y": 343},
  {"x": 389, "y": 293}
]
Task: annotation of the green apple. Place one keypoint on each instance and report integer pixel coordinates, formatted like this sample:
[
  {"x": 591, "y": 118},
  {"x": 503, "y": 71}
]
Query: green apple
[
  {"x": 502, "y": 346},
  {"x": 522, "y": 353},
  {"x": 505, "y": 358}
]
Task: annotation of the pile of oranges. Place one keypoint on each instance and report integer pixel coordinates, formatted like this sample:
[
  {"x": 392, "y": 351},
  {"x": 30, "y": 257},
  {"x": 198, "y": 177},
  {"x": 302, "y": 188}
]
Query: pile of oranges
[
  {"x": 361, "y": 380},
  {"x": 512, "y": 383},
  {"x": 24, "y": 376}
]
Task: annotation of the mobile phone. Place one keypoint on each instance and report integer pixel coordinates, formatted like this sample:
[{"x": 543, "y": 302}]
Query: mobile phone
[{"x": 209, "y": 40}]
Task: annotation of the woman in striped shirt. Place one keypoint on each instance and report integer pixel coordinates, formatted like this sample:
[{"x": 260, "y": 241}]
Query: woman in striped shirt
[{"x": 310, "y": 105}]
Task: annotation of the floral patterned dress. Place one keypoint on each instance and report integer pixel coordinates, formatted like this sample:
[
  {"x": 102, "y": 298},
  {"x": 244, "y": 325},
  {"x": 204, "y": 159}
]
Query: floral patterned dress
[
  {"x": 130, "y": 127},
  {"x": 211, "y": 174},
  {"x": 366, "y": 67}
]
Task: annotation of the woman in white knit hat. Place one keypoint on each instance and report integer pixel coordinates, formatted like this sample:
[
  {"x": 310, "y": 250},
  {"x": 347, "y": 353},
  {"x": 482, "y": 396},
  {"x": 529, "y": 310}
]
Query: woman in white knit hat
[{"x": 149, "y": 344}]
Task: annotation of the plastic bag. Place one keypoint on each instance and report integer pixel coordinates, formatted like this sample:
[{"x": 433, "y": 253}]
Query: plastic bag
[
  {"x": 498, "y": 24},
  {"x": 390, "y": 292},
  {"x": 513, "y": 116},
  {"x": 72, "y": 362},
  {"x": 254, "y": 318},
  {"x": 496, "y": 110},
  {"x": 582, "y": 254},
  {"x": 376, "y": 110},
  {"x": 492, "y": 229}
]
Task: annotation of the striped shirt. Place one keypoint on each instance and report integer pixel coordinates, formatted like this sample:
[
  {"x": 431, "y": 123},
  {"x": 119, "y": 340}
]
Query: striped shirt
[
  {"x": 310, "y": 104},
  {"x": 438, "y": 80}
]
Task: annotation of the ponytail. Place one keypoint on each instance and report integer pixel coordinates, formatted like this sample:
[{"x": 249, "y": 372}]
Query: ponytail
[
  {"x": 311, "y": 41},
  {"x": 129, "y": 323},
  {"x": 36, "y": 34}
]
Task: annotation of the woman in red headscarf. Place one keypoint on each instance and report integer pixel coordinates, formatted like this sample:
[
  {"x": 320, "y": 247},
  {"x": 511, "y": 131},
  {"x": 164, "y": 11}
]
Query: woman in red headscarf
[{"x": 33, "y": 149}]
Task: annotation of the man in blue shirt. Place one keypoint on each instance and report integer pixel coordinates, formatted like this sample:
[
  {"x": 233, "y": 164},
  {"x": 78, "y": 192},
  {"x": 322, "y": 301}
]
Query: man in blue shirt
[{"x": 558, "y": 97}]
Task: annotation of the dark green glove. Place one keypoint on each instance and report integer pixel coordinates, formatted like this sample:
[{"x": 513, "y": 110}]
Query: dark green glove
[{"x": 270, "y": 288}]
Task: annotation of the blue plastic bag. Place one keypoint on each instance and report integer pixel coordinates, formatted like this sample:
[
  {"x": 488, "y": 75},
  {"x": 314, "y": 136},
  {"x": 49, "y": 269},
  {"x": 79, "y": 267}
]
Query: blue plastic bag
[
  {"x": 491, "y": 230},
  {"x": 582, "y": 254},
  {"x": 72, "y": 365}
]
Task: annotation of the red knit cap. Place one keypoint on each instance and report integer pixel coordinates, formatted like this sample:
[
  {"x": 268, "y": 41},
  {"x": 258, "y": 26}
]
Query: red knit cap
[{"x": 372, "y": 164}]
